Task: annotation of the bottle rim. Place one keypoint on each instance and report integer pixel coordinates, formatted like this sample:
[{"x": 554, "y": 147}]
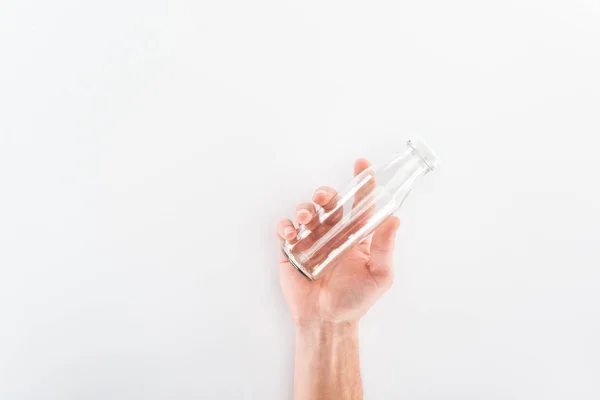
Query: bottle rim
[{"x": 424, "y": 152}]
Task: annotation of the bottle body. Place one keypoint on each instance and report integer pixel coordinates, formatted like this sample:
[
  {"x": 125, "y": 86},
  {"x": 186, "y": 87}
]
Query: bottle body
[{"x": 357, "y": 210}]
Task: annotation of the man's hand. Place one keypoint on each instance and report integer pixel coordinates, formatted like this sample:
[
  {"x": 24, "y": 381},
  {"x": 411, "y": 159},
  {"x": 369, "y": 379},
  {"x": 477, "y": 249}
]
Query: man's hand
[
  {"x": 349, "y": 287},
  {"x": 326, "y": 311}
]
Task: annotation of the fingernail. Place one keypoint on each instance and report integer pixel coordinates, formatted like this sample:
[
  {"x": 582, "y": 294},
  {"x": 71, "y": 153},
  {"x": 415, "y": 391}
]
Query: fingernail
[
  {"x": 302, "y": 215},
  {"x": 321, "y": 192},
  {"x": 288, "y": 231}
]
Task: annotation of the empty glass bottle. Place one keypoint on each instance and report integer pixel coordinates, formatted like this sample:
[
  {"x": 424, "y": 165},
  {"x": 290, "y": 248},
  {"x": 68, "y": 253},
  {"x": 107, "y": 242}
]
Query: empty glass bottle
[{"x": 356, "y": 211}]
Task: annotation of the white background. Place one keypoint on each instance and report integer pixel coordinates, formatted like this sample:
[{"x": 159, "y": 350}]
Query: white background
[{"x": 148, "y": 148}]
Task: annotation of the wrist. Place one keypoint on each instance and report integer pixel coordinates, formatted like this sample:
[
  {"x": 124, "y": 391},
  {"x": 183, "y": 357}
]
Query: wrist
[{"x": 324, "y": 331}]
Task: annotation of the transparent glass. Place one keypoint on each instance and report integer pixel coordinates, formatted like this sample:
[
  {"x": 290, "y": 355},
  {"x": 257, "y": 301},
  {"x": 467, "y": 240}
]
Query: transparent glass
[{"x": 356, "y": 211}]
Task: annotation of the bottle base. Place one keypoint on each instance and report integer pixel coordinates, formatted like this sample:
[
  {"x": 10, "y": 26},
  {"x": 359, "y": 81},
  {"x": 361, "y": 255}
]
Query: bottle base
[{"x": 286, "y": 251}]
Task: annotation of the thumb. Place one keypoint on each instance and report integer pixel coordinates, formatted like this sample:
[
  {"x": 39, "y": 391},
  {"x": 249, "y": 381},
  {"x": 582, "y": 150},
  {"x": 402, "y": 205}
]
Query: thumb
[{"x": 382, "y": 246}]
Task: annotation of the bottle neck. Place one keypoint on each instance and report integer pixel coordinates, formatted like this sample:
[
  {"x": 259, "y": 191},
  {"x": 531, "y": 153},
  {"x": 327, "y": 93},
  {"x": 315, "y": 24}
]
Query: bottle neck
[{"x": 400, "y": 174}]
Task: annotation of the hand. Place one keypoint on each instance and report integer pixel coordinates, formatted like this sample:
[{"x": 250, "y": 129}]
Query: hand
[{"x": 350, "y": 286}]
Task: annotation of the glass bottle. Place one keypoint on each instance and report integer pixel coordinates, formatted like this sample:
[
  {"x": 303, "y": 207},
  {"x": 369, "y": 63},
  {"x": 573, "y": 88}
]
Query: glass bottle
[{"x": 356, "y": 211}]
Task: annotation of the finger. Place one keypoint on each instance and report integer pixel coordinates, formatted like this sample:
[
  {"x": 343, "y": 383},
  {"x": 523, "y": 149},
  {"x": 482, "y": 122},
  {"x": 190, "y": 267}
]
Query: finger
[
  {"x": 333, "y": 207},
  {"x": 327, "y": 198},
  {"x": 360, "y": 165},
  {"x": 305, "y": 213},
  {"x": 382, "y": 248},
  {"x": 324, "y": 196},
  {"x": 286, "y": 229}
]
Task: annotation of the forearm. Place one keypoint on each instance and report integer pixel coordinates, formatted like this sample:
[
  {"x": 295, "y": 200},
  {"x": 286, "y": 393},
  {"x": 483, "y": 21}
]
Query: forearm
[{"x": 326, "y": 363}]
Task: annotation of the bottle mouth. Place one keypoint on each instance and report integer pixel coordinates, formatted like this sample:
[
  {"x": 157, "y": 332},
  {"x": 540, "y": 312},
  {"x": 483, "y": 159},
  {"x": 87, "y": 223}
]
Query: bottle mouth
[{"x": 422, "y": 150}]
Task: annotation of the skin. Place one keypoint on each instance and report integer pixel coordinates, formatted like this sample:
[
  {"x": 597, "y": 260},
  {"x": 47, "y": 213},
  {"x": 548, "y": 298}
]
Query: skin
[{"x": 326, "y": 312}]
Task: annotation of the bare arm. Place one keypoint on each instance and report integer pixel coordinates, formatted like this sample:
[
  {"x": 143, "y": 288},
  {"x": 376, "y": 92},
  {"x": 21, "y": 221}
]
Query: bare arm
[{"x": 327, "y": 364}]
